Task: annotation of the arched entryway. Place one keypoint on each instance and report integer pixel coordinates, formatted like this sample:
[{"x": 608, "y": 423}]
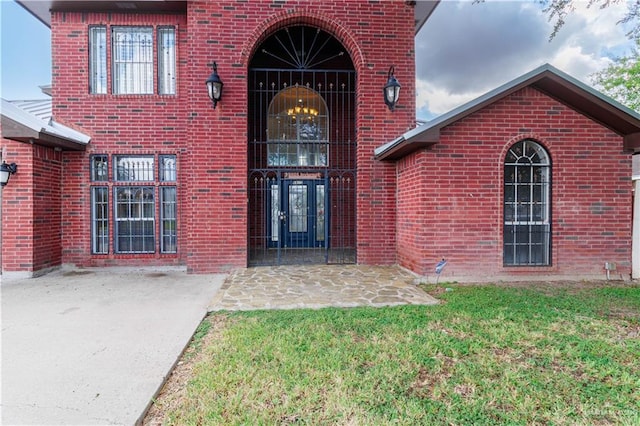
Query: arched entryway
[{"x": 302, "y": 150}]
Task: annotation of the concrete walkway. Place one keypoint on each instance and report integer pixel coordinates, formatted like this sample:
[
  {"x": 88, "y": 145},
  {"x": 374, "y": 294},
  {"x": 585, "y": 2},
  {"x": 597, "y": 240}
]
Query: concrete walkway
[
  {"x": 92, "y": 347},
  {"x": 318, "y": 286}
]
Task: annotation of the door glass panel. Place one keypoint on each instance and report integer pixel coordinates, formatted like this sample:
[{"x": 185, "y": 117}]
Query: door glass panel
[
  {"x": 297, "y": 208},
  {"x": 319, "y": 212},
  {"x": 275, "y": 212}
]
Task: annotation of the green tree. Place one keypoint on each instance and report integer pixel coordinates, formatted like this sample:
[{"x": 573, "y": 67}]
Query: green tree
[
  {"x": 621, "y": 79},
  {"x": 558, "y": 10}
]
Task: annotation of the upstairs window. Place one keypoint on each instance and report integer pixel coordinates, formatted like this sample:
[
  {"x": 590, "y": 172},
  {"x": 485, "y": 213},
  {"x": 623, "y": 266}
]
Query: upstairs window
[
  {"x": 133, "y": 65},
  {"x": 98, "y": 60},
  {"x": 166, "y": 61},
  {"x": 132, "y": 60}
]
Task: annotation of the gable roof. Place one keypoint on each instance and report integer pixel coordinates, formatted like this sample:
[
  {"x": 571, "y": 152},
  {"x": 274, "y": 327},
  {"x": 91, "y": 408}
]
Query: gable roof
[
  {"x": 547, "y": 79},
  {"x": 23, "y": 126}
]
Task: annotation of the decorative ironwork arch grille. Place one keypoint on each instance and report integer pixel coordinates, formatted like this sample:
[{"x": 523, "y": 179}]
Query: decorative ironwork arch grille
[{"x": 302, "y": 151}]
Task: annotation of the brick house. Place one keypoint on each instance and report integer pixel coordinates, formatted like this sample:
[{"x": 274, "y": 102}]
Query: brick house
[
  {"x": 300, "y": 160},
  {"x": 530, "y": 179}
]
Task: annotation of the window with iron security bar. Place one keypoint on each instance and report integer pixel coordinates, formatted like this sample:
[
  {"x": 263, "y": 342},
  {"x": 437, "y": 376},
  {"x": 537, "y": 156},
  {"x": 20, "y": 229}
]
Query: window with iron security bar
[
  {"x": 98, "y": 60},
  {"x": 99, "y": 168},
  {"x": 166, "y": 61},
  {"x": 134, "y": 219},
  {"x": 100, "y": 220},
  {"x": 133, "y": 168},
  {"x": 134, "y": 206},
  {"x": 527, "y": 188},
  {"x": 132, "y": 60},
  {"x": 297, "y": 128},
  {"x": 168, "y": 218},
  {"x": 167, "y": 168}
]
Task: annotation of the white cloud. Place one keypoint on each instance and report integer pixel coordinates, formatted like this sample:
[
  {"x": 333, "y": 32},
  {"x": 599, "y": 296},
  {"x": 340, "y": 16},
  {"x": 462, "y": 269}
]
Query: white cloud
[
  {"x": 433, "y": 100},
  {"x": 577, "y": 63},
  {"x": 467, "y": 49}
]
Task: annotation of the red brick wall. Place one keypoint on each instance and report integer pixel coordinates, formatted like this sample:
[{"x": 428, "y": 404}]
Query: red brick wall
[
  {"x": 450, "y": 197},
  {"x": 48, "y": 187},
  {"x": 228, "y": 32},
  {"x": 31, "y": 209},
  {"x": 212, "y": 144},
  {"x": 17, "y": 210},
  {"x": 117, "y": 124}
]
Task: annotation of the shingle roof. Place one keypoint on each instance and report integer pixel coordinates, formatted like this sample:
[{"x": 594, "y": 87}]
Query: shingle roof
[{"x": 547, "y": 79}]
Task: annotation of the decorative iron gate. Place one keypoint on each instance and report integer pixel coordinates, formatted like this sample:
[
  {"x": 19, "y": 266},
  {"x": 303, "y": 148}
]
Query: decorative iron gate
[{"x": 302, "y": 151}]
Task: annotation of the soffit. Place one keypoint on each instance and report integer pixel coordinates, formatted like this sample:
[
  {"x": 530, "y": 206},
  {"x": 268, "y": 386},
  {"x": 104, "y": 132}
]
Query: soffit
[
  {"x": 41, "y": 8},
  {"x": 423, "y": 10}
]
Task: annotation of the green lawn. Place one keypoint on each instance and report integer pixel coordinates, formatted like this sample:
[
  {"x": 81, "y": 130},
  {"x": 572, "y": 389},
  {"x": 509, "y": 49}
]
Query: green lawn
[{"x": 486, "y": 355}]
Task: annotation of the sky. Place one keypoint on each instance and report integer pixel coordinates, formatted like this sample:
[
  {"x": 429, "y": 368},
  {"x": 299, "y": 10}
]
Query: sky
[
  {"x": 466, "y": 49},
  {"x": 25, "y": 53},
  {"x": 463, "y": 51}
]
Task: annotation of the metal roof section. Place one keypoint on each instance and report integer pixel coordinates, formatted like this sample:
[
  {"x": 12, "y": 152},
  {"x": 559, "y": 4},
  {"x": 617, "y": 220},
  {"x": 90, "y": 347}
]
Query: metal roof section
[
  {"x": 549, "y": 80},
  {"x": 41, "y": 108},
  {"x": 23, "y": 126},
  {"x": 41, "y": 9}
]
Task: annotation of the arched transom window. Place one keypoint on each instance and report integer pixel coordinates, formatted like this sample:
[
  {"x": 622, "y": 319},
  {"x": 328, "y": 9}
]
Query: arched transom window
[
  {"x": 527, "y": 185},
  {"x": 298, "y": 128}
]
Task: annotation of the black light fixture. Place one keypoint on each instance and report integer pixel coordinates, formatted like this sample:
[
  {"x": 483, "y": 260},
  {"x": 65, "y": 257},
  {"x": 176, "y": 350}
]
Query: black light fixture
[
  {"x": 214, "y": 86},
  {"x": 6, "y": 170},
  {"x": 391, "y": 89}
]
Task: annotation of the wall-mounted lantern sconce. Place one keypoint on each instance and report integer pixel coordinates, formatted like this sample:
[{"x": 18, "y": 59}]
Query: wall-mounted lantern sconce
[
  {"x": 6, "y": 170},
  {"x": 214, "y": 86},
  {"x": 391, "y": 89}
]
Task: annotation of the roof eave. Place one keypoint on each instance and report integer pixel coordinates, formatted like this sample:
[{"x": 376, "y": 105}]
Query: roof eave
[
  {"x": 632, "y": 142},
  {"x": 407, "y": 144},
  {"x": 41, "y": 9},
  {"x": 549, "y": 80},
  {"x": 19, "y": 132},
  {"x": 423, "y": 10},
  {"x": 589, "y": 102}
]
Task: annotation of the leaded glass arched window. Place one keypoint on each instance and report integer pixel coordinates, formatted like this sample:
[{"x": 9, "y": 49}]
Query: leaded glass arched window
[
  {"x": 527, "y": 209},
  {"x": 298, "y": 128}
]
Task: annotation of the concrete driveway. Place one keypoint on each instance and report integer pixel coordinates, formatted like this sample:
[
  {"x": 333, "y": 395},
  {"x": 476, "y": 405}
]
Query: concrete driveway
[{"x": 93, "y": 346}]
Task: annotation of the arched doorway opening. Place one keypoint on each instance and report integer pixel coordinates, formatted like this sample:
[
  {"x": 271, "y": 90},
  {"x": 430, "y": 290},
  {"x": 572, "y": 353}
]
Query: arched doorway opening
[{"x": 302, "y": 150}]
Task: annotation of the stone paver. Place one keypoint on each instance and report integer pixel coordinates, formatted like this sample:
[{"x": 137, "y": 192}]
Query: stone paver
[{"x": 318, "y": 286}]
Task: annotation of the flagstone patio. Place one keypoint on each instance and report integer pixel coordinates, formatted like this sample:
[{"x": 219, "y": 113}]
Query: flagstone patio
[{"x": 318, "y": 286}]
